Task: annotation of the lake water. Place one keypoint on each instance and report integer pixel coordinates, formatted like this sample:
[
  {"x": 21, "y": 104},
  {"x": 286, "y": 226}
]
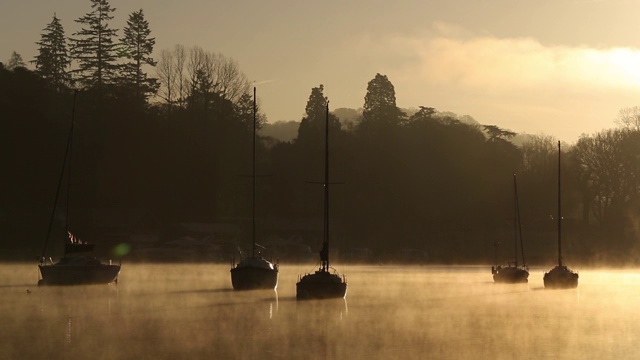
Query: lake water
[{"x": 188, "y": 311}]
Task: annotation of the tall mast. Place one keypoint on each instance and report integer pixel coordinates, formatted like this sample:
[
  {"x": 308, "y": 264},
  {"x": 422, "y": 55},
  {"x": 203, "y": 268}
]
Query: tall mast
[
  {"x": 519, "y": 222},
  {"x": 326, "y": 187},
  {"x": 515, "y": 219},
  {"x": 64, "y": 163},
  {"x": 559, "y": 212},
  {"x": 253, "y": 195},
  {"x": 66, "y": 218}
]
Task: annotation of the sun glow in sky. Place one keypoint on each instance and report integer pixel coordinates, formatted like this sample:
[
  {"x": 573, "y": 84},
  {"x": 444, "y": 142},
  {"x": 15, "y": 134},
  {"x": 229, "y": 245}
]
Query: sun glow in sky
[{"x": 558, "y": 67}]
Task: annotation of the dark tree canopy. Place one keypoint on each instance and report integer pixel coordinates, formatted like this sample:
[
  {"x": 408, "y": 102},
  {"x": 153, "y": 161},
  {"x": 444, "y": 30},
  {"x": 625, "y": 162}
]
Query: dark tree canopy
[
  {"x": 380, "y": 103},
  {"x": 495, "y": 133},
  {"x": 430, "y": 183}
]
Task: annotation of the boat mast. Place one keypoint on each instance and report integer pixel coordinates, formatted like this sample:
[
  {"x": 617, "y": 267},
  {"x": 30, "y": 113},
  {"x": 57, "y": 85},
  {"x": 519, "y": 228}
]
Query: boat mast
[
  {"x": 524, "y": 262},
  {"x": 325, "y": 245},
  {"x": 515, "y": 219},
  {"x": 64, "y": 163},
  {"x": 559, "y": 212},
  {"x": 66, "y": 218},
  {"x": 253, "y": 195}
]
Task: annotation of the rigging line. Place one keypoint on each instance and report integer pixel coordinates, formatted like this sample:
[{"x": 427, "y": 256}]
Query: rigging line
[{"x": 64, "y": 162}]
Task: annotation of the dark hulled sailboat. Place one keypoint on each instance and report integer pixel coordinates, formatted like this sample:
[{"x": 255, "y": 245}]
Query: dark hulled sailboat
[
  {"x": 560, "y": 277},
  {"x": 254, "y": 272},
  {"x": 513, "y": 273},
  {"x": 323, "y": 283},
  {"x": 77, "y": 266}
]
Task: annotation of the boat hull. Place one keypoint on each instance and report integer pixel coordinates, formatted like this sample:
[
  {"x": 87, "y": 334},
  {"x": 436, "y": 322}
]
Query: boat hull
[
  {"x": 560, "y": 277},
  {"x": 78, "y": 274},
  {"x": 253, "y": 278},
  {"x": 321, "y": 285},
  {"x": 511, "y": 275}
]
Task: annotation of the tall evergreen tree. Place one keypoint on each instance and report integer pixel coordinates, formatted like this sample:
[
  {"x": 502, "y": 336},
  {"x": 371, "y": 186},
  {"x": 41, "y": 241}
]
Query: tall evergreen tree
[
  {"x": 137, "y": 46},
  {"x": 314, "y": 121},
  {"x": 243, "y": 111},
  {"x": 315, "y": 109},
  {"x": 53, "y": 60},
  {"x": 380, "y": 103},
  {"x": 201, "y": 98},
  {"x": 15, "y": 61},
  {"x": 94, "y": 48}
]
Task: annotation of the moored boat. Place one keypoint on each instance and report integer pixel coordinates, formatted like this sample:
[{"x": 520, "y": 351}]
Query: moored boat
[
  {"x": 323, "y": 283},
  {"x": 77, "y": 267},
  {"x": 560, "y": 277},
  {"x": 514, "y": 272},
  {"x": 78, "y": 270},
  {"x": 254, "y": 272}
]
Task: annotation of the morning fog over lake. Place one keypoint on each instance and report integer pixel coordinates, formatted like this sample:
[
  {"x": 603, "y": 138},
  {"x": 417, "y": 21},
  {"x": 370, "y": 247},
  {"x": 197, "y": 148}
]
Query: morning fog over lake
[{"x": 189, "y": 311}]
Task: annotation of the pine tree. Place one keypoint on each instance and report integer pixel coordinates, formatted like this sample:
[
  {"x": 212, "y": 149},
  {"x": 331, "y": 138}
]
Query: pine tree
[
  {"x": 53, "y": 60},
  {"x": 201, "y": 97},
  {"x": 316, "y": 106},
  {"x": 243, "y": 111},
  {"x": 94, "y": 49},
  {"x": 137, "y": 46},
  {"x": 15, "y": 61},
  {"x": 312, "y": 125}
]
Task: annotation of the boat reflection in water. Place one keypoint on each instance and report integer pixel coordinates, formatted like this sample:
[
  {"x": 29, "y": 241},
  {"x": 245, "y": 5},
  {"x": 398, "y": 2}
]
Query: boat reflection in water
[
  {"x": 274, "y": 311},
  {"x": 69, "y": 318},
  {"x": 333, "y": 310}
]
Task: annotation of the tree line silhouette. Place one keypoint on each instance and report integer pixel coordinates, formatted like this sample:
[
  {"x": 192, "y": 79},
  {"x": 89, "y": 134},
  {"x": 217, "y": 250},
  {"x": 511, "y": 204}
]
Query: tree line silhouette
[{"x": 177, "y": 144}]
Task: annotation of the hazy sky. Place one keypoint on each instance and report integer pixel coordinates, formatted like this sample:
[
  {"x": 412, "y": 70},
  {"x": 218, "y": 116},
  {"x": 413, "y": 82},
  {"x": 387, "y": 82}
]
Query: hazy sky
[{"x": 558, "y": 67}]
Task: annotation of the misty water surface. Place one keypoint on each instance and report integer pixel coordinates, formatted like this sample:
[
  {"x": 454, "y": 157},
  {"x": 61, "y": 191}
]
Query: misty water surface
[{"x": 190, "y": 312}]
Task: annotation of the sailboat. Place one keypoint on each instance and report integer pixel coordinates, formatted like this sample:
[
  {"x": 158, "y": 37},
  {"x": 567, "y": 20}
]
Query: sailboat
[
  {"x": 323, "y": 284},
  {"x": 77, "y": 266},
  {"x": 254, "y": 272},
  {"x": 560, "y": 277},
  {"x": 513, "y": 273}
]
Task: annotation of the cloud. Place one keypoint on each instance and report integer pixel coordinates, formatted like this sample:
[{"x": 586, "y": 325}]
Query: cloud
[
  {"x": 517, "y": 83},
  {"x": 449, "y": 55}
]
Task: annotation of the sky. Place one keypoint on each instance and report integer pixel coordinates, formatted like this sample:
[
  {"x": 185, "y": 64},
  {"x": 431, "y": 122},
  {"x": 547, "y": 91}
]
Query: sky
[{"x": 555, "y": 67}]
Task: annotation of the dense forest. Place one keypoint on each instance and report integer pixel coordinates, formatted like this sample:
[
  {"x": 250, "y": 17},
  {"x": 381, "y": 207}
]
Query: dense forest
[{"x": 161, "y": 151}]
